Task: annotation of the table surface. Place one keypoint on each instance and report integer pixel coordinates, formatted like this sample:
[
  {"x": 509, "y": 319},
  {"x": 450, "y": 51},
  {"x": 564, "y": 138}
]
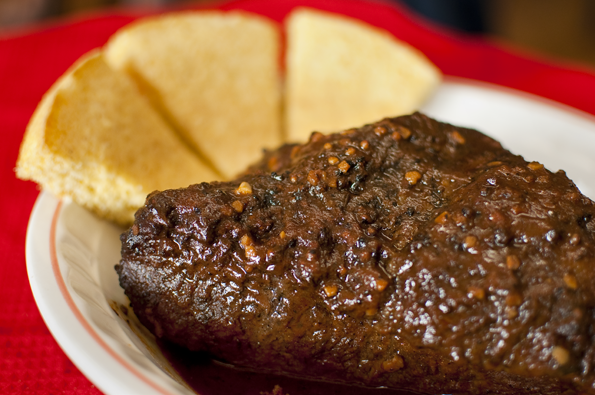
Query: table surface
[{"x": 31, "y": 362}]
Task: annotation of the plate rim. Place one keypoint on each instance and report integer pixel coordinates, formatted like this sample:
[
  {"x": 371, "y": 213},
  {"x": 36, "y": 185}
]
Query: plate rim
[
  {"x": 451, "y": 79},
  {"x": 67, "y": 315}
]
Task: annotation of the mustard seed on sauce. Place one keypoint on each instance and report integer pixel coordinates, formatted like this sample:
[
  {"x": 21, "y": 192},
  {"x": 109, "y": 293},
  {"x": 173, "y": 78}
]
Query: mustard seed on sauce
[
  {"x": 514, "y": 299},
  {"x": 561, "y": 355},
  {"x": 513, "y": 262},
  {"x": 344, "y": 167},
  {"x": 412, "y": 177},
  {"x": 404, "y": 132},
  {"x": 332, "y": 182},
  {"x": 330, "y": 290},
  {"x": 364, "y": 145},
  {"x": 246, "y": 241},
  {"x": 570, "y": 281},
  {"x": 394, "y": 364},
  {"x": 333, "y": 160},
  {"x": 442, "y": 218},
  {"x": 470, "y": 241},
  {"x": 535, "y": 166},
  {"x": 249, "y": 250},
  {"x": 237, "y": 206},
  {"x": 350, "y": 151},
  {"x": 457, "y": 137},
  {"x": 476, "y": 292},
  {"x": 244, "y": 189},
  {"x": 380, "y": 130},
  {"x": 327, "y": 146},
  {"x": 381, "y": 284},
  {"x": 313, "y": 178}
]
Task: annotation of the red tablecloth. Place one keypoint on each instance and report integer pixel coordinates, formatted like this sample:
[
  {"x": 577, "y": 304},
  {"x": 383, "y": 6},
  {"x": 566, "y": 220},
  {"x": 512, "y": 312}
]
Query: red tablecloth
[{"x": 30, "y": 360}]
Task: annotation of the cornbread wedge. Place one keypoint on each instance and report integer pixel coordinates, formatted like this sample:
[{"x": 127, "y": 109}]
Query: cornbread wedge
[
  {"x": 342, "y": 73},
  {"x": 213, "y": 75},
  {"x": 96, "y": 139}
]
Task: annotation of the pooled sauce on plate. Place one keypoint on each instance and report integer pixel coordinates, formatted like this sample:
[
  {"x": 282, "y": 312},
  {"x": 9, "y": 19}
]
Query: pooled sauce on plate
[{"x": 208, "y": 377}]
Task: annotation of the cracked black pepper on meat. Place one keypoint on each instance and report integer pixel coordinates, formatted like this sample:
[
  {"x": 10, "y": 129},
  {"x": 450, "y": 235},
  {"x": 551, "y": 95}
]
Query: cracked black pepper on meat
[{"x": 407, "y": 253}]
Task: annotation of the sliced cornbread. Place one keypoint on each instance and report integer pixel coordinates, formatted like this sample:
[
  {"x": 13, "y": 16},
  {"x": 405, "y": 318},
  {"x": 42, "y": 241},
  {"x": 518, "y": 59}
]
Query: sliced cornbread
[
  {"x": 342, "y": 73},
  {"x": 96, "y": 139},
  {"x": 213, "y": 75}
]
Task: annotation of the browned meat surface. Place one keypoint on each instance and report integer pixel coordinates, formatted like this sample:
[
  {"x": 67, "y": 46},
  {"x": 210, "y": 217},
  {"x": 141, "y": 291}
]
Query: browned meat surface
[{"x": 408, "y": 254}]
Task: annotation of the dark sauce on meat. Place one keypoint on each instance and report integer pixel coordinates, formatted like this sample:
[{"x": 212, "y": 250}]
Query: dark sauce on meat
[{"x": 408, "y": 254}]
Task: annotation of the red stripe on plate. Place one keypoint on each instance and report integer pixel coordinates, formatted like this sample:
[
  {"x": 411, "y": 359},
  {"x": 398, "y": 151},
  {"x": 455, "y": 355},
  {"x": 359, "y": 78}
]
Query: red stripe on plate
[{"x": 77, "y": 313}]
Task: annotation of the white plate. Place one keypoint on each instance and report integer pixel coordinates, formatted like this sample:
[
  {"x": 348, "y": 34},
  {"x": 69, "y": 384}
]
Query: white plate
[{"x": 71, "y": 253}]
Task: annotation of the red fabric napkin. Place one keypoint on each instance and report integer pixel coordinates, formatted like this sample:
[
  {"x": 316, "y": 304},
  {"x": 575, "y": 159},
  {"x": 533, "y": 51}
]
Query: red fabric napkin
[{"x": 30, "y": 360}]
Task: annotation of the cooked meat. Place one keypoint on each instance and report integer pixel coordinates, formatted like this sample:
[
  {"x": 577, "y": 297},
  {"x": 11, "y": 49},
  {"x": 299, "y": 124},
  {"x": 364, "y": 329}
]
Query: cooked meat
[{"x": 408, "y": 253}]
